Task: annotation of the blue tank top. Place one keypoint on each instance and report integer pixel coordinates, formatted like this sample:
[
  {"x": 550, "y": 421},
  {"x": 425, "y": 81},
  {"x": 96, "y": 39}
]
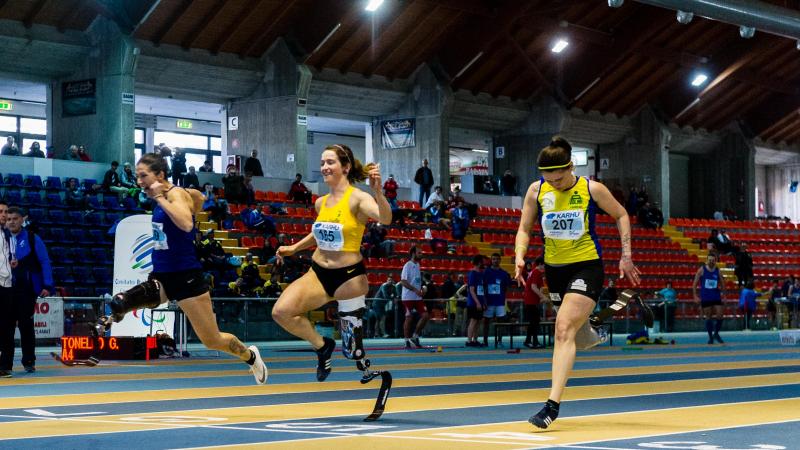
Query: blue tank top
[
  {"x": 173, "y": 248},
  {"x": 709, "y": 285}
]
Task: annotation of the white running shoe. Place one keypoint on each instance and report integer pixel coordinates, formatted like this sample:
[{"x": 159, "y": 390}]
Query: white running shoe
[{"x": 258, "y": 368}]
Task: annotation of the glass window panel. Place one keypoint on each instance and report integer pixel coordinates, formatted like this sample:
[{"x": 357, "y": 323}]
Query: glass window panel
[
  {"x": 33, "y": 126},
  {"x": 181, "y": 140},
  {"x": 217, "y": 163},
  {"x": 26, "y": 145},
  {"x": 195, "y": 160},
  {"x": 137, "y": 154},
  {"x": 216, "y": 143},
  {"x": 8, "y": 123},
  {"x": 138, "y": 136}
]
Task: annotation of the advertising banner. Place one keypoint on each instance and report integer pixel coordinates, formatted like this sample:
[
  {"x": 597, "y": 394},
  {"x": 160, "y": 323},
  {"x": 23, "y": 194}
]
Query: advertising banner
[
  {"x": 78, "y": 98},
  {"x": 398, "y": 133}
]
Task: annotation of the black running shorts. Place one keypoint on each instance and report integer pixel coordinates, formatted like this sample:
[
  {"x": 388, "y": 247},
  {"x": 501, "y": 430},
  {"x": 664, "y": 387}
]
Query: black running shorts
[
  {"x": 182, "y": 285},
  {"x": 584, "y": 278}
]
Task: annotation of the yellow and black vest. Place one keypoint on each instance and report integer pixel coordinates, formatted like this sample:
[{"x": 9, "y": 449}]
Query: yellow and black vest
[{"x": 568, "y": 220}]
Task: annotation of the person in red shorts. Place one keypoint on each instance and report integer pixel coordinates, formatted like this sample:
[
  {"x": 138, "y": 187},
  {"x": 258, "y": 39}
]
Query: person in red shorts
[{"x": 532, "y": 300}]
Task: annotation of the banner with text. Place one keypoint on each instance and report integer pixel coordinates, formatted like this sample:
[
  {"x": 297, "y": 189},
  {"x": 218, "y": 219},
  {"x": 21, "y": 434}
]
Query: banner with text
[
  {"x": 78, "y": 98},
  {"x": 398, "y": 133},
  {"x": 48, "y": 318},
  {"x": 133, "y": 248}
]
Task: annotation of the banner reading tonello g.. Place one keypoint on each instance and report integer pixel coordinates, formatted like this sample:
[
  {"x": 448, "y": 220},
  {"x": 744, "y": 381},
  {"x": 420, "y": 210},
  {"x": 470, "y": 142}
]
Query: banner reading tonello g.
[{"x": 133, "y": 247}]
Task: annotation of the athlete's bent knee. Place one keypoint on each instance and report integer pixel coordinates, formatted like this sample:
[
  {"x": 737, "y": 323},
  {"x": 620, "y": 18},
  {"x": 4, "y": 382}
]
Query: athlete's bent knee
[{"x": 143, "y": 295}]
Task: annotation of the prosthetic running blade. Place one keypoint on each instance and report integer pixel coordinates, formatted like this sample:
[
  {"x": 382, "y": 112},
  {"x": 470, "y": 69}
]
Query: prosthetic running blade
[{"x": 383, "y": 393}]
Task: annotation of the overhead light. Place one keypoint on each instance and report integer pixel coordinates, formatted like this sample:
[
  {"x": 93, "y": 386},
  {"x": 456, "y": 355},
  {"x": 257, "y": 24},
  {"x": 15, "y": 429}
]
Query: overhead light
[
  {"x": 559, "y": 46},
  {"x": 685, "y": 17},
  {"x": 373, "y": 5},
  {"x": 615, "y": 3},
  {"x": 746, "y": 32},
  {"x": 699, "y": 79},
  {"x": 480, "y": 151}
]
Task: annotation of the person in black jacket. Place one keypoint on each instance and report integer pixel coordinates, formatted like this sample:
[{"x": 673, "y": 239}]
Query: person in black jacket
[
  {"x": 178, "y": 167},
  {"x": 424, "y": 178},
  {"x": 253, "y": 166}
]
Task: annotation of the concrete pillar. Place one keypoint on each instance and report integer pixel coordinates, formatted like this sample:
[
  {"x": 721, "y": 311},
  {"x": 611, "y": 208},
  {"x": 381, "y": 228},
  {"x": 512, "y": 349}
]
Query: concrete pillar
[
  {"x": 429, "y": 103},
  {"x": 273, "y": 118},
  {"x": 641, "y": 159},
  {"x": 731, "y": 166},
  {"x": 107, "y": 133},
  {"x": 522, "y": 144}
]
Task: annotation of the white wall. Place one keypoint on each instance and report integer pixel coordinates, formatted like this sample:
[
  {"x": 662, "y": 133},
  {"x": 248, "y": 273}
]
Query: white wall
[{"x": 318, "y": 141}]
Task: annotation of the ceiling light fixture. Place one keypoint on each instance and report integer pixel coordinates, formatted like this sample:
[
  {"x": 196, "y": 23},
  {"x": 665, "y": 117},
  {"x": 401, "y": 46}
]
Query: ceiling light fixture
[
  {"x": 685, "y": 17},
  {"x": 746, "y": 32},
  {"x": 615, "y": 3},
  {"x": 373, "y": 5},
  {"x": 559, "y": 46},
  {"x": 480, "y": 151},
  {"x": 699, "y": 79}
]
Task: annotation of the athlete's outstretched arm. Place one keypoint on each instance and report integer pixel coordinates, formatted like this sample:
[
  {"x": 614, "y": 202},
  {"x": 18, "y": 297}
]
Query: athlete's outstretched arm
[
  {"x": 530, "y": 210},
  {"x": 602, "y": 196}
]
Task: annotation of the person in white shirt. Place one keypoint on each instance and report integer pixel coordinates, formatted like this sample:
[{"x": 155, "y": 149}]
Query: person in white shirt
[
  {"x": 411, "y": 280},
  {"x": 435, "y": 197}
]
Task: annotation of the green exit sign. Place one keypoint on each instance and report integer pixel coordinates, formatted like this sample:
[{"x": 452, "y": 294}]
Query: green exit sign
[
  {"x": 185, "y": 124},
  {"x": 6, "y": 105}
]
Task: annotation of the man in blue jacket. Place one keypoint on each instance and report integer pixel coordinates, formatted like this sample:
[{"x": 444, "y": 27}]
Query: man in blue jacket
[{"x": 32, "y": 277}]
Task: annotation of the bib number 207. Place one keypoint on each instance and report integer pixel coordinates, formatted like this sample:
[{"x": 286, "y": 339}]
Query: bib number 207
[{"x": 563, "y": 224}]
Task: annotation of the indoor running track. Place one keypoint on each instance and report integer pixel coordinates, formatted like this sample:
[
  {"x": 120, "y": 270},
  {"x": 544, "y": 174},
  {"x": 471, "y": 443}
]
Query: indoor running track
[{"x": 741, "y": 395}]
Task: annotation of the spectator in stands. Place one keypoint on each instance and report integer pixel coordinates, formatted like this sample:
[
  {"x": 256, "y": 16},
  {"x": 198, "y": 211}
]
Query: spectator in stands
[
  {"x": 712, "y": 286},
  {"x": 32, "y": 277},
  {"x": 390, "y": 191},
  {"x": 431, "y": 292},
  {"x": 718, "y": 215},
  {"x": 747, "y": 303},
  {"x": 460, "y": 221},
  {"x": 128, "y": 178},
  {"x": 411, "y": 280},
  {"x": 111, "y": 182},
  {"x": 455, "y": 308},
  {"x": 632, "y": 205},
  {"x": 488, "y": 186},
  {"x": 667, "y": 307},
  {"x": 384, "y": 299},
  {"x": 254, "y": 219},
  {"x": 711, "y": 242},
  {"x": 650, "y": 216},
  {"x": 454, "y": 198},
  {"x": 744, "y": 265},
  {"x": 532, "y": 299},
  {"x": 618, "y": 193},
  {"x": 190, "y": 179},
  {"x": 36, "y": 151},
  {"x": 377, "y": 244},
  {"x": 724, "y": 243},
  {"x": 508, "y": 184},
  {"x": 476, "y": 301},
  {"x": 75, "y": 196},
  {"x": 207, "y": 167},
  {"x": 72, "y": 153},
  {"x": 271, "y": 245},
  {"x": 10, "y": 148},
  {"x": 252, "y": 165},
  {"x": 437, "y": 213},
  {"x": 178, "y": 167},
  {"x": 298, "y": 192},
  {"x": 83, "y": 155},
  {"x": 787, "y": 285},
  {"x": 217, "y": 207},
  {"x": 211, "y": 254},
  {"x": 249, "y": 189},
  {"x": 51, "y": 152},
  {"x": 496, "y": 281},
  {"x": 234, "y": 185},
  {"x": 251, "y": 275},
  {"x": 794, "y": 289},
  {"x": 608, "y": 296},
  {"x": 424, "y": 178},
  {"x": 772, "y": 306},
  {"x": 641, "y": 196},
  {"x": 433, "y": 198}
]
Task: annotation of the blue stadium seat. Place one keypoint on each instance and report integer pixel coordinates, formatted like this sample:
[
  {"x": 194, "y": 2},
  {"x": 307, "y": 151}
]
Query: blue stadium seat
[
  {"x": 111, "y": 202},
  {"x": 100, "y": 291},
  {"x": 14, "y": 198},
  {"x": 79, "y": 236},
  {"x": 94, "y": 219},
  {"x": 130, "y": 205},
  {"x": 88, "y": 184},
  {"x": 94, "y": 202},
  {"x": 54, "y": 200},
  {"x": 83, "y": 274},
  {"x": 33, "y": 182},
  {"x": 102, "y": 276},
  {"x": 37, "y": 215},
  {"x": 54, "y": 184},
  {"x": 62, "y": 275},
  {"x": 112, "y": 218},
  {"x": 82, "y": 291},
  {"x": 82, "y": 255},
  {"x": 14, "y": 180},
  {"x": 99, "y": 237},
  {"x": 34, "y": 198},
  {"x": 57, "y": 217},
  {"x": 75, "y": 217},
  {"x": 101, "y": 256}
]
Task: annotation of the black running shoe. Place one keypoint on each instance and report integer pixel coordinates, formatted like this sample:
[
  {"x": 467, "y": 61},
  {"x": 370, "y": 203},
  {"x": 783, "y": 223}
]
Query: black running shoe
[
  {"x": 546, "y": 416},
  {"x": 710, "y": 341},
  {"x": 324, "y": 358},
  {"x": 415, "y": 341},
  {"x": 719, "y": 339}
]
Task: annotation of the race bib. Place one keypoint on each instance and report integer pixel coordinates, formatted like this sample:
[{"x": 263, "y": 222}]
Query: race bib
[
  {"x": 479, "y": 290},
  {"x": 711, "y": 283},
  {"x": 159, "y": 237},
  {"x": 494, "y": 289},
  {"x": 329, "y": 235},
  {"x": 564, "y": 225}
]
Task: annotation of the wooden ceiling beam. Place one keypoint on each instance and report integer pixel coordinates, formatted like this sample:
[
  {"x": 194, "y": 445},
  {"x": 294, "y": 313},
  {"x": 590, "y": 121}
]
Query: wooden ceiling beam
[
  {"x": 385, "y": 49},
  {"x": 171, "y": 20},
  {"x": 556, "y": 91},
  {"x": 268, "y": 30},
  {"x": 228, "y": 33},
  {"x": 200, "y": 28},
  {"x": 73, "y": 8},
  {"x": 431, "y": 45},
  {"x": 37, "y": 8},
  {"x": 348, "y": 26}
]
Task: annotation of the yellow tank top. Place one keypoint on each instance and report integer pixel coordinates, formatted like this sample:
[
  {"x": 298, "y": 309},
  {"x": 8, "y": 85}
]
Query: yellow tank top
[
  {"x": 336, "y": 228},
  {"x": 567, "y": 220}
]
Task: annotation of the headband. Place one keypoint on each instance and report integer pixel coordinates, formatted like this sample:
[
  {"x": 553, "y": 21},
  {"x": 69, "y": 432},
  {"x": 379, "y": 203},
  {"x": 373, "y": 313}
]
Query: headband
[{"x": 562, "y": 166}]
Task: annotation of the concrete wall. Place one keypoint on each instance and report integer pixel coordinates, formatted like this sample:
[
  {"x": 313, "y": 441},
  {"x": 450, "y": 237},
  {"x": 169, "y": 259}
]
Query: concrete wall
[
  {"x": 679, "y": 185},
  {"x": 318, "y": 141}
]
